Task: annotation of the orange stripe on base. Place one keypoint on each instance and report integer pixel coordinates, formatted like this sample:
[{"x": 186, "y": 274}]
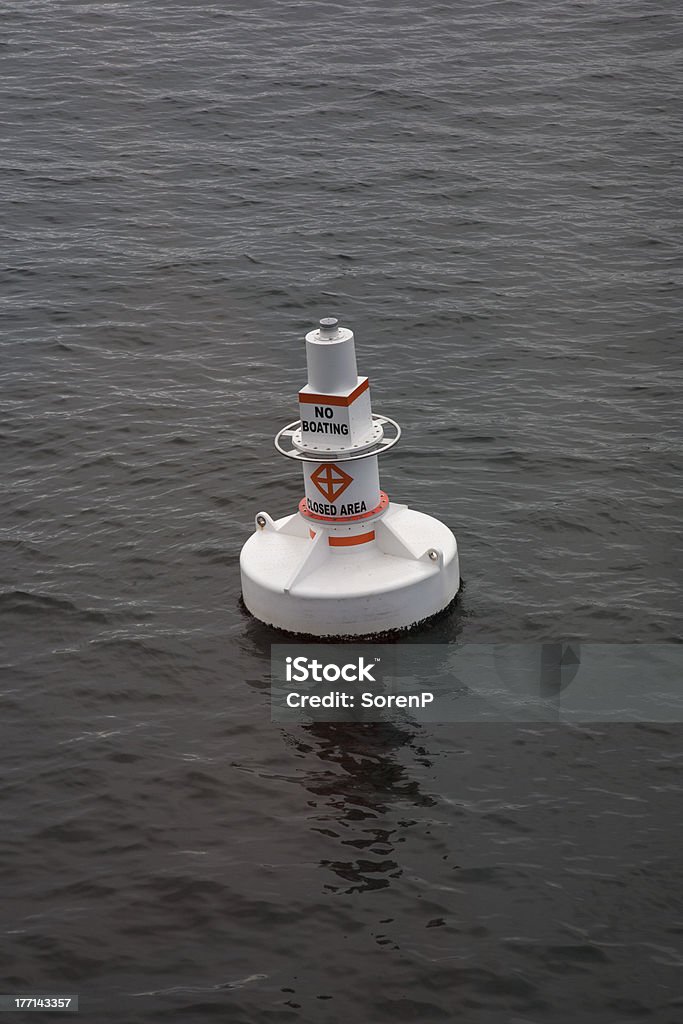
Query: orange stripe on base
[
  {"x": 383, "y": 503},
  {"x": 347, "y": 542},
  {"x": 342, "y": 400}
]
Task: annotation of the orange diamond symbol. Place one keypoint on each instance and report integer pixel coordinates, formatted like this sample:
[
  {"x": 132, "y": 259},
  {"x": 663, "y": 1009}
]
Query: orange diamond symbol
[{"x": 331, "y": 481}]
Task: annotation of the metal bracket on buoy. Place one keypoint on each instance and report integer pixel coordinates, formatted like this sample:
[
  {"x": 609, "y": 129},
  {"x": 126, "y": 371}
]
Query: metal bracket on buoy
[{"x": 349, "y": 562}]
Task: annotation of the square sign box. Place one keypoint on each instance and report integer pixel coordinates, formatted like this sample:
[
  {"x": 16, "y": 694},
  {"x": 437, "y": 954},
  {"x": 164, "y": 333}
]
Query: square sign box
[{"x": 334, "y": 422}]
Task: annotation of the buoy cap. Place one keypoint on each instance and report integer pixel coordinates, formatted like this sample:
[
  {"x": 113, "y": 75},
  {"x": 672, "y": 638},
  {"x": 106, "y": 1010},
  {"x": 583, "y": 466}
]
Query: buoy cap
[{"x": 329, "y": 329}]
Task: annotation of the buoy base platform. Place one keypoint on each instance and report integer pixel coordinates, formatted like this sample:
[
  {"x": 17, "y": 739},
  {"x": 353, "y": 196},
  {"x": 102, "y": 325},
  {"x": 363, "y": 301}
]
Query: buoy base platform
[{"x": 388, "y": 573}]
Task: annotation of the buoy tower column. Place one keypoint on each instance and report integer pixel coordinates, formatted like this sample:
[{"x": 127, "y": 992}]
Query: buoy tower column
[
  {"x": 336, "y": 421},
  {"x": 349, "y": 562}
]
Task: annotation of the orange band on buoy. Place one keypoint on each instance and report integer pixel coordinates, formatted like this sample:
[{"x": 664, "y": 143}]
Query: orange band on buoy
[
  {"x": 347, "y": 542},
  {"x": 342, "y": 400},
  {"x": 383, "y": 503}
]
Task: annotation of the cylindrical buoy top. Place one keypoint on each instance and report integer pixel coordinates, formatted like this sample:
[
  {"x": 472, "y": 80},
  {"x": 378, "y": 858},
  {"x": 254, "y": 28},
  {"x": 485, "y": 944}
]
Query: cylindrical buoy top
[
  {"x": 328, "y": 325},
  {"x": 331, "y": 357}
]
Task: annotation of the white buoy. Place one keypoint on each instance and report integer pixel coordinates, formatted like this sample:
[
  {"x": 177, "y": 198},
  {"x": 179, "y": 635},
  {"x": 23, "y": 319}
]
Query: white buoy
[{"x": 349, "y": 562}]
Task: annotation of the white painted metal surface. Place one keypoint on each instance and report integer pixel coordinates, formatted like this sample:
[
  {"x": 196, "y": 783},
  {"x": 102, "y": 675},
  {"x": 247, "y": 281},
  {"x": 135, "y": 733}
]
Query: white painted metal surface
[{"x": 349, "y": 562}]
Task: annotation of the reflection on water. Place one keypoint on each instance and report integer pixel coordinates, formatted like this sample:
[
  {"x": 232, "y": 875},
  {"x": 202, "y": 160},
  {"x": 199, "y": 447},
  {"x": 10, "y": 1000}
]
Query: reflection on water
[
  {"x": 355, "y": 775},
  {"x": 358, "y": 779}
]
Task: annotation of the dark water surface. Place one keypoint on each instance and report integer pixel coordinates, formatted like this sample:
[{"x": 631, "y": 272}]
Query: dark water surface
[{"x": 489, "y": 194}]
